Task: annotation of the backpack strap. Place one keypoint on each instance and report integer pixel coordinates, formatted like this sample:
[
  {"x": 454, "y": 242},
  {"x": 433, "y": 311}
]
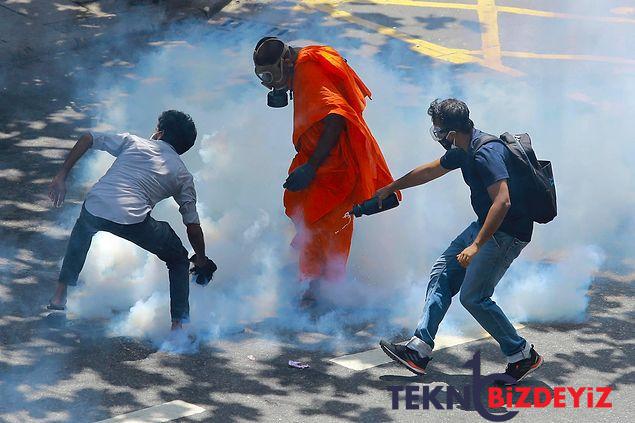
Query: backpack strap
[{"x": 485, "y": 139}]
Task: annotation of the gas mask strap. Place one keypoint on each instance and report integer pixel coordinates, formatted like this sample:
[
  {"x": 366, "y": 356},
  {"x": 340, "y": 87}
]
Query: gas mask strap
[{"x": 291, "y": 75}]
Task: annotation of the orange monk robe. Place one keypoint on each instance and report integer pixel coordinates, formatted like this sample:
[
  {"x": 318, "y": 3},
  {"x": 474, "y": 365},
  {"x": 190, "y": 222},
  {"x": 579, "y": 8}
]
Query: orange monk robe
[{"x": 354, "y": 170}]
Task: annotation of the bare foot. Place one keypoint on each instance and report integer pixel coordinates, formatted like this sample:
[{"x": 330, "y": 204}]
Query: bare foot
[
  {"x": 59, "y": 297},
  {"x": 176, "y": 325}
]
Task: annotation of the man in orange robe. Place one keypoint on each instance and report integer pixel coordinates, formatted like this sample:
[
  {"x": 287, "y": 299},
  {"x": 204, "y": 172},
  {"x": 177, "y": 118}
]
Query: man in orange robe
[{"x": 338, "y": 162}]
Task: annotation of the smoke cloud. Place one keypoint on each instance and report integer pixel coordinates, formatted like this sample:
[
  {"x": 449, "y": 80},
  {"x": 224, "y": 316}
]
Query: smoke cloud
[{"x": 576, "y": 119}]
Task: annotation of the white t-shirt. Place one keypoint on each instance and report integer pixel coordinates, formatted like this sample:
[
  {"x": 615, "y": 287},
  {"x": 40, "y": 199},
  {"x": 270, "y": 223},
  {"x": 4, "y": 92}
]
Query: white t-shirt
[{"x": 144, "y": 173}]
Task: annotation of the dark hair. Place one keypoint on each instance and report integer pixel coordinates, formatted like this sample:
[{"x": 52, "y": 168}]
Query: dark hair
[
  {"x": 270, "y": 52},
  {"x": 451, "y": 114},
  {"x": 178, "y": 130}
]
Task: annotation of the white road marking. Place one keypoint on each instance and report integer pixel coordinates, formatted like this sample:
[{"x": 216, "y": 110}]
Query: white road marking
[
  {"x": 159, "y": 413},
  {"x": 376, "y": 357}
]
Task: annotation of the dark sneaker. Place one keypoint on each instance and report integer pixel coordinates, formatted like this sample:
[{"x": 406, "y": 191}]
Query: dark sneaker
[
  {"x": 520, "y": 369},
  {"x": 406, "y": 356}
]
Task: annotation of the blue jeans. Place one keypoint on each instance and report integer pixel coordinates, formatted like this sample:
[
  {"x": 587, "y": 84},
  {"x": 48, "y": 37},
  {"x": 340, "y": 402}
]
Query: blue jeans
[
  {"x": 476, "y": 284},
  {"x": 152, "y": 235}
]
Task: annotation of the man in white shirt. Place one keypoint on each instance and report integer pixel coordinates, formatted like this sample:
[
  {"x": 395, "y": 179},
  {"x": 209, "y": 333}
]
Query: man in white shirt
[{"x": 145, "y": 172}]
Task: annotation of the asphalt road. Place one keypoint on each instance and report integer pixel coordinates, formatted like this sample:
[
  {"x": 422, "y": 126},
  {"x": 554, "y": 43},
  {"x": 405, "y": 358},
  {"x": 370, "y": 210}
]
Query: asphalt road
[{"x": 53, "y": 369}]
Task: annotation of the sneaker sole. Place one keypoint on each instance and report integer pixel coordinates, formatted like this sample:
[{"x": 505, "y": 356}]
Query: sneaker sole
[
  {"x": 530, "y": 371},
  {"x": 404, "y": 363}
]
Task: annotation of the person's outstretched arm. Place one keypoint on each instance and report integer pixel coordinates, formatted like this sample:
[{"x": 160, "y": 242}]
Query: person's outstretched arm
[
  {"x": 418, "y": 176},
  {"x": 57, "y": 188}
]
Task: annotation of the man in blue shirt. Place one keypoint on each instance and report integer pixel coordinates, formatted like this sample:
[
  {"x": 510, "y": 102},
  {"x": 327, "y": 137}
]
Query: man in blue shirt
[{"x": 477, "y": 259}]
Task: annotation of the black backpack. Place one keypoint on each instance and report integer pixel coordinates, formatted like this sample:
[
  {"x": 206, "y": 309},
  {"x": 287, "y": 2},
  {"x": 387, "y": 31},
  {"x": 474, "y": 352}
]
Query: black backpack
[{"x": 539, "y": 188}]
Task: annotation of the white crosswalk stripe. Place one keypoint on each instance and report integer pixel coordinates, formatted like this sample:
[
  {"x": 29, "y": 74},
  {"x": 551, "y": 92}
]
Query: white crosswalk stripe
[
  {"x": 376, "y": 357},
  {"x": 159, "y": 413}
]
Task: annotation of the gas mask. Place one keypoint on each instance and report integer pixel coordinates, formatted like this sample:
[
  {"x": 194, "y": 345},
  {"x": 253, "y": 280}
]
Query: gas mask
[
  {"x": 272, "y": 76},
  {"x": 439, "y": 135}
]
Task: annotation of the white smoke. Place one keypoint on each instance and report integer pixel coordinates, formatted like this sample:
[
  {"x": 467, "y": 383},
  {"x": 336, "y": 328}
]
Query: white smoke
[
  {"x": 551, "y": 292},
  {"x": 241, "y": 159}
]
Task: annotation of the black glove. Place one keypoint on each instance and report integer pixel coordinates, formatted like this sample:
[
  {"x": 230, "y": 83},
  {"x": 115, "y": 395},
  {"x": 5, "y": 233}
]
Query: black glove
[
  {"x": 300, "y": 178},
  {"x": 205, "y": 273}
]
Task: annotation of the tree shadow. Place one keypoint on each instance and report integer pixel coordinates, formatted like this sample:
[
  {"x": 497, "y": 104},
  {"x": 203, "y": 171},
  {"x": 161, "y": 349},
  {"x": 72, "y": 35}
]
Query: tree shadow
[{"x": 432, "y": 22}]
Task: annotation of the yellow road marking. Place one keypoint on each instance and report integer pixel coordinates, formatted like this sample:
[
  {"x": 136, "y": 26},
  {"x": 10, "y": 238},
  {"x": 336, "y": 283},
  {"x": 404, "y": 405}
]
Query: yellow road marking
[
  {"x": 545, "y": 14},
  {"x": 490, "y": 41},
  {"x": 574, "y": 57},
  {"x": 561, "y": 56},
  {"x": 415, "y": 3},
  {"x": 500, "y": 9},
  {"x": 436, "y": 51}
]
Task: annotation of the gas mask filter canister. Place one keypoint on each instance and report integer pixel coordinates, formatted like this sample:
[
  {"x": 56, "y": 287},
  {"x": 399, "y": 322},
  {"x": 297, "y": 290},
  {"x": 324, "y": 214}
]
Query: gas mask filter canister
[{"x": 277, "y": 98}]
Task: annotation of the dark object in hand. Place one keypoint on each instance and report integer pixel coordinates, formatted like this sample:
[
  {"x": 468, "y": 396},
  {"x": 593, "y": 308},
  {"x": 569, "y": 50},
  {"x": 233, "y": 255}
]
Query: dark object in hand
[
  {"x": 371, "y": 206},
  {"x": 205, "y": 273},
  {"x": 300, "y": 178}
]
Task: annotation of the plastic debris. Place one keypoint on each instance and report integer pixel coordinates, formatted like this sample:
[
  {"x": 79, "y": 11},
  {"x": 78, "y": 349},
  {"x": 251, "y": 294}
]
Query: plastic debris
[
  {"x": 298, "y": 364},
  {"x": 251, "y": 357}
]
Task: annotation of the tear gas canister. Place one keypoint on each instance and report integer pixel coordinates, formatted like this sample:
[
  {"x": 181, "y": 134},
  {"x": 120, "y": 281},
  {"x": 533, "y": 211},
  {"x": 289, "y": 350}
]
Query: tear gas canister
[{"x": 371, "y": 206}]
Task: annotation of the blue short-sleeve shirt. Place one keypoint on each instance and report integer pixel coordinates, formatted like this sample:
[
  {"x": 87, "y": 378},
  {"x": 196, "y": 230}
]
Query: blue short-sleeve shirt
[{"x": 492, "y": 163}]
